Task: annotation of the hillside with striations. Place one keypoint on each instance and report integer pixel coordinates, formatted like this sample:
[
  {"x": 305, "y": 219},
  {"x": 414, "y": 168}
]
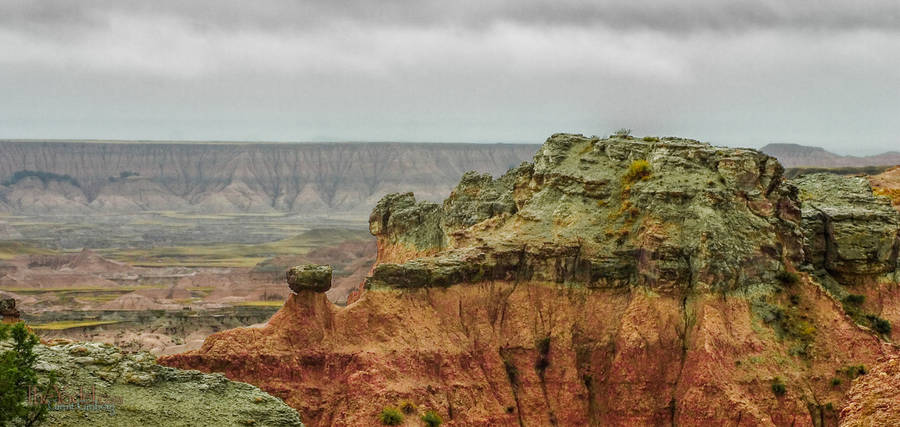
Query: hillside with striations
[
  {"x": 610, "y": 282},
  {"x": 121, "y": 177},
  {"x": 795, "y": 155}
]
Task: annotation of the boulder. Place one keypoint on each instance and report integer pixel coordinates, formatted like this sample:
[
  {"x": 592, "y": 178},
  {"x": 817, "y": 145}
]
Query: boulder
[
  {"x": 8, "y": 309},
  {"x": 309, "y": 277}
]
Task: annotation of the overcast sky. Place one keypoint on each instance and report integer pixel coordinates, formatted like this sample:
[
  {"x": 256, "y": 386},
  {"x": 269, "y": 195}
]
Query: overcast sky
[{"x": 823, "y": 73}]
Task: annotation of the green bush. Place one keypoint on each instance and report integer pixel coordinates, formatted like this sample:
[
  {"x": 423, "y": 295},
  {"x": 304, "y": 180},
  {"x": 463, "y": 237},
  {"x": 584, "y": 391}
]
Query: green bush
[
  {"x": 787, "y": 278},
  {"x": 622, "y": 133},
  {"x": 835, "y": 382},
  {"x": 854, "y": 371},
  {"x": 408, "y": 407},
  {"x": 778, "y": 387},
  {"x": 390, "y": 417},
  {"x": 650, "y": 139},
  {"x": 855, "y": 299},
  {"x": 17, "y": 376},
  {"x": 638, "y": 169},
  {"x": 432, "y": 419},
  {"x": 879, "y": 325}
]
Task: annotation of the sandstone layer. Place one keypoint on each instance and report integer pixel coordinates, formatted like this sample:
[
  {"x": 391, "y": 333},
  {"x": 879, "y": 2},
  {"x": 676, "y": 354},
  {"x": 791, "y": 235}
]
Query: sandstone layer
[{"x": 610, "y": 282}]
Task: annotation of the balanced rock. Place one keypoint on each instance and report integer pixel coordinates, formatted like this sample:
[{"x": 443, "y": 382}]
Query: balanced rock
[
  {"x": 8, "y": 309},
  {"x": 309, "y": 277}
]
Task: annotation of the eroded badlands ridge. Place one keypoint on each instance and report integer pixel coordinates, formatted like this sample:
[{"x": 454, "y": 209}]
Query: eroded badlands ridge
[
  {"x": 126, "y": 177},
  {"x": 611, "y": 281}
]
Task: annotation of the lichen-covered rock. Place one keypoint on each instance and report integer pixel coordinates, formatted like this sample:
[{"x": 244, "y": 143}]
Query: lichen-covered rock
[
  {"x": 398, "y": 220},
  {"x": 309, "y": 277},
  {"x": 477, "y": 198},
  {"x": 848, "y": 229},
  {"x": 694, "y": 215},
  {"x": 98, "y": 385}
]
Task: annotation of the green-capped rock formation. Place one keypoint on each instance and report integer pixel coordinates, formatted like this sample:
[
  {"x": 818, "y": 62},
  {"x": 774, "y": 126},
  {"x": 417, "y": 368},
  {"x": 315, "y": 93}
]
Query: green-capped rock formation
[
  {"x": 603, "y": 213},
  {"x": 309, "y": 277}
]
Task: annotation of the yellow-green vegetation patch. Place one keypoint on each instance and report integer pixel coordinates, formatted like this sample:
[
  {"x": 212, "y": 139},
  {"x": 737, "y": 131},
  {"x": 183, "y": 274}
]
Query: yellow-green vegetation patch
[
  {"x": 205, "y": 290},
  {"x": 236, "y": 255},
  {"x": 81, "y": 289},
  {"x": 9, "y": 250},
  {"x": 638, "y": 169},
  {"x": 69, "y": 324},
  {"x": 106, "y": 297},
  {"x": 260, "y": 304}
]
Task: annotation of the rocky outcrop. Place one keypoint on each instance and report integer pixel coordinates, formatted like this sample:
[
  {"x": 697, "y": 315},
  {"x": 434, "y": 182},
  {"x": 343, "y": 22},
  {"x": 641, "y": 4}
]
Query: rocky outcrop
[
  {"x": 99, "y": 385},
  {"x": 124, "y": 177},
  {"x": 8, "y": 310},
  {"x": 610, "y": 282},
  {"x": 698, "y": 216},
  {"x": 309, "y": 277},
  {"x": 848, "y": 229}
]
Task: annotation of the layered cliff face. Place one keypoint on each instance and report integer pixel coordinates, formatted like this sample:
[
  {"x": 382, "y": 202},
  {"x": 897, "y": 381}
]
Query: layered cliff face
[
  {"x": 221, "y": 177},
  {"x": 610, "y": 282}
]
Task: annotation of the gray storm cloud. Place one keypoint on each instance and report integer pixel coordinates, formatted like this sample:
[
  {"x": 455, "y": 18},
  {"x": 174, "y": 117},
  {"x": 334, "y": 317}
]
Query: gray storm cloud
[{"x": 737, "y": 73}]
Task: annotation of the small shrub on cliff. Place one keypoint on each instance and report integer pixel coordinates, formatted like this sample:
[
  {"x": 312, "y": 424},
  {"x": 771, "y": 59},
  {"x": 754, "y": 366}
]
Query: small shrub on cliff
[
  {"x": 854, "y": 371},
  {"x": 638, "y": 169},
  {"x": 879, "y": 325},
  {"x": 432, "y": 419},
  {"x": 622, "y": 133},
  {"x": 408, "y": 407},
  {"x": 855, "y": 299},
  {"x": 787, "y": 278},
  {"x": 650, "y": 139},
  {"x": 390, "y": 417},
  {"x": 835, "y": 382},
  {"x": 778, "y": 387}
]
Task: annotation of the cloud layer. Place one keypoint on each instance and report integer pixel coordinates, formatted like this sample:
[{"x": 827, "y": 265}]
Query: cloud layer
[{"x": 812, "y": 72}]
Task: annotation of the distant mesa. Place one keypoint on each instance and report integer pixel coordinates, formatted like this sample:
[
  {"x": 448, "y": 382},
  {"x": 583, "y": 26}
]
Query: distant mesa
[
  {"x": 309, "y": 277},
  {"x": 795, "y": 156},
  {"x": 329, "y": 178}
]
